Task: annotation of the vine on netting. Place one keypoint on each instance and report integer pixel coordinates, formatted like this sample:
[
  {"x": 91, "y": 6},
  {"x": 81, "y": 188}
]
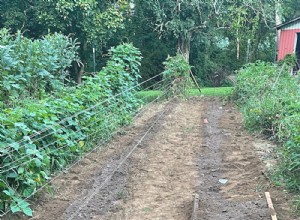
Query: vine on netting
[
  {"x": 41, "y": 138},
  {"x": 176, "y": 73}
]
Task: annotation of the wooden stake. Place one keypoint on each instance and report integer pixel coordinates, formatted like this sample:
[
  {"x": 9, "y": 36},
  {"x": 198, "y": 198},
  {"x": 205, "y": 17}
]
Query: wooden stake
[
  {"x": 271, "y": 207},
  {"x": 195, "y": 81},
  {"x": 195, "y": 208}
]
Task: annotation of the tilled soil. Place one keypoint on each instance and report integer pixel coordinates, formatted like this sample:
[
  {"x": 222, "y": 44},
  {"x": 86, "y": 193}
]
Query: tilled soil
[
  {"x": 228, "y": 155},
  {"x": 193, "y": 147}
]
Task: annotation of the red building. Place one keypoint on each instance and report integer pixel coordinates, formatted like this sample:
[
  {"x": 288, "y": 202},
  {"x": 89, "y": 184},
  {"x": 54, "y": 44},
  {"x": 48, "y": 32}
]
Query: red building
[{"x": 289, "y": 38}]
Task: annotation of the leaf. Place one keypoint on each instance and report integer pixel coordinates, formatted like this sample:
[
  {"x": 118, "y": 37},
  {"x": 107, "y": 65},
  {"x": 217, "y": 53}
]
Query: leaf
[
  {"x": 22, "y": 203},
  {"x": 26, "y": 138},
  {"x": 9, "y": 192},
  {"x": 12, "y": 175},
  {"x": 45, "y": 175},
  {"x": 30, "y": 151},
  {"x": 28, "y": 191},
  {"x": 27, "y": 211},
  {"x": 37, "y": 162},
  {"x": 23, "y": 206},
  {"x": 81, "y": 143},
  {"x": 21, "y": 170},
  {"x": 14, "y": 208},
  {"x": 15, "y": 146}
]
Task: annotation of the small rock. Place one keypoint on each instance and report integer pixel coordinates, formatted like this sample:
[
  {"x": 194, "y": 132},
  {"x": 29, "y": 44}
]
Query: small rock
[{"x": 223, "y": 181}]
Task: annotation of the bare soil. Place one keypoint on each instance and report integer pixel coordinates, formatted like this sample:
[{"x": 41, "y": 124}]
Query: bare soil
[{"x": 194, "y": 146}]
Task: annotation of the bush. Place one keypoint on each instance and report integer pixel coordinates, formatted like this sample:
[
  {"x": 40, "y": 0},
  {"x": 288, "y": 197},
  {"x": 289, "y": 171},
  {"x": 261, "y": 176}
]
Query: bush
[
  {"x": 41, "y": 138},
  {"x": 270, "y": 100},
  {"x": 268, "y": 94},
  {"x": 29, "y": 68}
]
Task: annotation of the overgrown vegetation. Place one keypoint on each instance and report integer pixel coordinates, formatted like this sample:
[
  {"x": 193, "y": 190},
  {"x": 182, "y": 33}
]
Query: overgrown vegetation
[
  {"x": 32, "y": 68},
  {"x": 270, "y": 100},
  {"x": 40, "y": 138},
  {"x": 176, "y": 74}
]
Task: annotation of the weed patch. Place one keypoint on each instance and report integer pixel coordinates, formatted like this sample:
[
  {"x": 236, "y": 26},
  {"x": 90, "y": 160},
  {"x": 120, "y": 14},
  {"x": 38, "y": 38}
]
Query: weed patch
[{"x": 270, "y": 100}]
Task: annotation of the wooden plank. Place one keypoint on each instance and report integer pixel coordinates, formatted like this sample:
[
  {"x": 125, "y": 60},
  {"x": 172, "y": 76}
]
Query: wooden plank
[
  {"x": 271, "y": 207},
  {"x": 195, "y": 207}
]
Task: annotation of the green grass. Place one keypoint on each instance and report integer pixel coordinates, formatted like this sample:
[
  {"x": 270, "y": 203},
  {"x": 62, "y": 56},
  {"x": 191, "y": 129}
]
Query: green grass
[
  {"x": 150, "y": 95},
  {"x": 215, "y": 91}
]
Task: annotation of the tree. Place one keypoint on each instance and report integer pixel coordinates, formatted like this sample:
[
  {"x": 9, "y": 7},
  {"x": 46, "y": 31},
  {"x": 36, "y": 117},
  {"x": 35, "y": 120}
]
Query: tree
[
  {"x": 289, "y": 9},
  {"x": 183, "y": 19},
  {"x": 250, "y": 21},
  {"x": 139, "y": 30},
  {"x": 93, "y": 23}
]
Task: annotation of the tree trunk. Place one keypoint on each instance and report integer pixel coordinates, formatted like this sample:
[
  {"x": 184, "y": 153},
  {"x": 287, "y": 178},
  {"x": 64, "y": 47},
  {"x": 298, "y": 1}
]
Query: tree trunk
[
  {"x": 237, "y": 47},
  {"x": 184, "y": 47},
  {"x": 80, "y": 73},
  {"x": 278, "y": 12},
  {"x": 278, "y": 21},
  {"x": 78, "y": 69}
]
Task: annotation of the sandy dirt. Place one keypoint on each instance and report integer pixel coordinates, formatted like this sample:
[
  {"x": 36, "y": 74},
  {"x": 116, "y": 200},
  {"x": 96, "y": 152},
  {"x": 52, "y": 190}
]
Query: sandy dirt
[{"x": 197, "y": 146}]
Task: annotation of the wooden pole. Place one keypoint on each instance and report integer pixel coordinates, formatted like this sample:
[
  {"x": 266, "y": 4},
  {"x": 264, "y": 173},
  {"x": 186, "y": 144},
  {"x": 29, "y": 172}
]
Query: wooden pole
[
  {"x": 195, "y": 81},
  {"x": 195, "y": 207},
  {"x": 270, "y": 205}
]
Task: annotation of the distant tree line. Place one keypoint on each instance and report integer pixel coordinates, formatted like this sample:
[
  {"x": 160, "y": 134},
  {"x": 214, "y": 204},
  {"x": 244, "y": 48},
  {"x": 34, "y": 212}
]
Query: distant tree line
[{"x": 216, "y": 37}]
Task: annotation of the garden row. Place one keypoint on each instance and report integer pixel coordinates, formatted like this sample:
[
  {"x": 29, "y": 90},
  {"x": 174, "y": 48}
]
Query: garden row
[
  {"x": 46, "y": 125},
  {"x": 270, "y": 99}
]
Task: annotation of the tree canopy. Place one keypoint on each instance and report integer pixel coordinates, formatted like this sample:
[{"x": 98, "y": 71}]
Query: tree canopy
[{"x": 212, "y": 34}]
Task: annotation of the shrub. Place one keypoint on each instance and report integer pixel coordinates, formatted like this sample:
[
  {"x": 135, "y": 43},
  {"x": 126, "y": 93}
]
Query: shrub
[
  {"x": 267, "y": 95},
  {"x": 29, "y": 68}
]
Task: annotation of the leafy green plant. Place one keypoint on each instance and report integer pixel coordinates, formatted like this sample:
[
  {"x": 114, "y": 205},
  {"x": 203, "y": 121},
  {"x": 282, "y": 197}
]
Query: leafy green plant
[
  {"x": 267, "y": 93},
  {"x": 176, "y": 74},
  {"x": 40, "y": 138},
  {"x": 31, "y": 68}
]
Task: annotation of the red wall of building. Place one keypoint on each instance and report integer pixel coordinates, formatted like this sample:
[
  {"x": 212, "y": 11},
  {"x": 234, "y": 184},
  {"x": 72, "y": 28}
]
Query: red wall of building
[{"x": 287, "y": 42}]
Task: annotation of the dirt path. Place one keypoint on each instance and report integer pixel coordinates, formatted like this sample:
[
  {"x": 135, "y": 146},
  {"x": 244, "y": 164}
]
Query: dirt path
[
  {"x": 165, "y": 174},
  {"x": 228, "y": 155},
  {"x": 180, "y": 156}
]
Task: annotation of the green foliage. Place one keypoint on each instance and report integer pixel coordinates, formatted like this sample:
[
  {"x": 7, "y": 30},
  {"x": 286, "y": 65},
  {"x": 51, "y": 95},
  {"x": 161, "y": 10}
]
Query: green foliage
[
  {"x": 215, "y": 91},
  {"x": 290, "y": 60},
  {"x": 92, "y": 22},
  {"x": 30, "y": 68},
  {"x": 270, "y": 99},
  {"x": 41, "y": 138},
  {"x": 177, "y": 74},
  {"x": 156, "y": 27}
]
